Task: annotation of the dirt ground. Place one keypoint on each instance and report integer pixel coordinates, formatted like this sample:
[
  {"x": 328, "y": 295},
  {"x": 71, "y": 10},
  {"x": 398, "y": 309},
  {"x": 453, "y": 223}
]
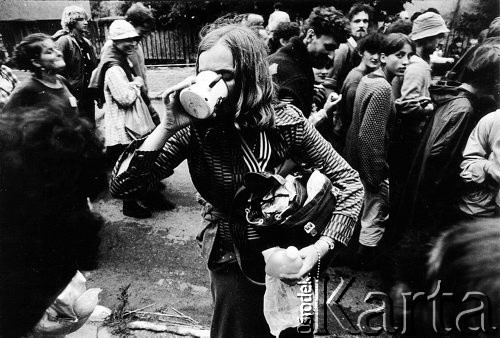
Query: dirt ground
[{"x": 160, "y": 259}]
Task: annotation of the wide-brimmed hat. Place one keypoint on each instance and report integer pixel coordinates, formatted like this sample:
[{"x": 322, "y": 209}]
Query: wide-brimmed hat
[
  {"x": 428, "y": 24},
  {"x": 121, "y": 30}
]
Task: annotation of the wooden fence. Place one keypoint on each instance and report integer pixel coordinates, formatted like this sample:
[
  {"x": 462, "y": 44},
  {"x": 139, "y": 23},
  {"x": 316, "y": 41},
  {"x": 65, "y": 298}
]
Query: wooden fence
[{"x": 161, "y": 47}]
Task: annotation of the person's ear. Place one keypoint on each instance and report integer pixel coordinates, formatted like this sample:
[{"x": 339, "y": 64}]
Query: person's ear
[
  {"x": 36, "y": 63},
  {"x": 383, "y": 58},
  {"x": 282, "y": 42},
  {"x": 310, "y": 35}
]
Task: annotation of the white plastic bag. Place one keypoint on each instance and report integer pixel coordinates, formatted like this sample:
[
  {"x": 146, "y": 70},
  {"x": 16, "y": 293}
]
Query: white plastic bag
[{"x": 281, "y": 305}]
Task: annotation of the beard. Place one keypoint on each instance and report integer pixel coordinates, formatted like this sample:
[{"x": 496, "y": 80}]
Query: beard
[{"x": 360, "y": 33}]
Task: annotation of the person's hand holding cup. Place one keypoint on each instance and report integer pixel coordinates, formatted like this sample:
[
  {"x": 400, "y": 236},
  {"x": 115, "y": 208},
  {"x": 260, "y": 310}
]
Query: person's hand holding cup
[
  {"x": 176, "y": 117},
  {"x": 202, "y": 98}
]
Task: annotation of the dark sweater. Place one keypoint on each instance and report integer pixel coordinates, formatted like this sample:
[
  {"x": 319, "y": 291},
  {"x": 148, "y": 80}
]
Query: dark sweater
[
  {"x": 33, "y": 93},
  {"x": 291, "y": 68},
  {"x": 346, "y": 106},
  {"x": 367, "y": 139}
]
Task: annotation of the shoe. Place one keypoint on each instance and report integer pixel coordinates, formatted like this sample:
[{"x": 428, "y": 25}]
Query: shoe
[
  {"x": 157, "y": 201},
  {"x": 133, "y": 209}
]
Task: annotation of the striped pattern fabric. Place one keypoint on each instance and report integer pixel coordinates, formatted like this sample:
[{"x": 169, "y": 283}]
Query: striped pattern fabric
[
  {"x": 8, "y": 82},
  {"x": 259, "y": 163},
  {"x": 215, "y": 159}
]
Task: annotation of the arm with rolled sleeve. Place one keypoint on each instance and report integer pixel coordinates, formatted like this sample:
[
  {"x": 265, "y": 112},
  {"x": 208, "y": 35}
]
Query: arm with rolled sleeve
[
  {"x": 315, "y": 151},
  {"x": 123, "y": 91},
  {"x": 481, "y": 154}
]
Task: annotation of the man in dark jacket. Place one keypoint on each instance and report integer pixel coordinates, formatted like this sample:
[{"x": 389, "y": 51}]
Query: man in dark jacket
[
  {"x": 291, "y": 66},
  {"x": 79, "y": 57},
  {"x": 347, "y": 56}
]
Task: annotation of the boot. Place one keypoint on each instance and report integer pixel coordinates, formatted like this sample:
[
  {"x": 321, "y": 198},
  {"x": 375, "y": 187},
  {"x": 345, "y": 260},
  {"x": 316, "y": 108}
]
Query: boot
[
  {"x": 155, "y": 200},
  {"x": 132, "y": 209}
]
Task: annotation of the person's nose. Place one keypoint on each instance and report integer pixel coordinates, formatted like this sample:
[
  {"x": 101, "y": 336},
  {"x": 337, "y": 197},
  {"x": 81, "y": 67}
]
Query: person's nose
[{"x": 406, "y": 60}]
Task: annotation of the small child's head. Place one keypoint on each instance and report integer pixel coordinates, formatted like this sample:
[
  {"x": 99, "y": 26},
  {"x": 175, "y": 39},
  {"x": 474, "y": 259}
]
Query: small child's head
[
  {"x": 395, "y": 51},
  {"x": 369, "y": 50}
]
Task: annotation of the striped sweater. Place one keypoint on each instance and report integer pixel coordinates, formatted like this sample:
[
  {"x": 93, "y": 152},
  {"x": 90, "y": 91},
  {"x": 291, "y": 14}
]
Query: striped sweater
[{"x": 214, "y": 154}]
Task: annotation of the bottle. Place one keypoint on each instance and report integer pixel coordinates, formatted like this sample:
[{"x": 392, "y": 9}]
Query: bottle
[{"x": 280, "y": 261}]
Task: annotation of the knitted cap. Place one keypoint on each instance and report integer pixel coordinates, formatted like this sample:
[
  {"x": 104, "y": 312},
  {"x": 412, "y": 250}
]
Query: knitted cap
[
  {"x": 121, "y": 30},
  {"x": 428, "y": 24}
]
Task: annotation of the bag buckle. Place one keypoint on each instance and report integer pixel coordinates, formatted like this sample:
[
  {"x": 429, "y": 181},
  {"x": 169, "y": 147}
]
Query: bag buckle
[
  {"x": 310, "y": 228},
  {"x": 247, "y": 215}
]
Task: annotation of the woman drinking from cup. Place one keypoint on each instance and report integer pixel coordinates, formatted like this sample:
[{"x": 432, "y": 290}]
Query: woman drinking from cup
[{"x": 244, "y": 133}]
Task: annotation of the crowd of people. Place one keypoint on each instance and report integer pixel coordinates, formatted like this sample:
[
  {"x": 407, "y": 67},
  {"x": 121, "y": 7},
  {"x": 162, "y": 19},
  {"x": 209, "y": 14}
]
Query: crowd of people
[{"x": 414, "y": 160}]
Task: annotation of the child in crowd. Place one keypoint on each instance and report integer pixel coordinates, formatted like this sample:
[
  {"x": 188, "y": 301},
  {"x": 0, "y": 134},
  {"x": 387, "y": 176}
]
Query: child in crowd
[
  {"x": 367, "y": 139},
  {"x": 369, "y": 50}
]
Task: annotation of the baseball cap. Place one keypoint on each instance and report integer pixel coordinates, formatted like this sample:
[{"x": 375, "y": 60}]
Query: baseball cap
[
  {"x": 121, "y": 30},
  {"x": 428, "y": 24}
]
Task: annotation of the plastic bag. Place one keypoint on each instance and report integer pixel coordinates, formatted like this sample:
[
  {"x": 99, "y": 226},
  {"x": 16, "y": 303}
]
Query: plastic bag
[{"x": 281, "y": 305}]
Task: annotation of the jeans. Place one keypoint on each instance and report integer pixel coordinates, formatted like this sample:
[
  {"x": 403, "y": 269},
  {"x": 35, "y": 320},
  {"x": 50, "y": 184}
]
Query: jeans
[{"x": 375, "y": 214}]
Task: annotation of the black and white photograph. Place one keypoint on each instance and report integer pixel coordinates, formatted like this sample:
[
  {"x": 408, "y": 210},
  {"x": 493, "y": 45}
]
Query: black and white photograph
[{"x": 249, "y": 168}]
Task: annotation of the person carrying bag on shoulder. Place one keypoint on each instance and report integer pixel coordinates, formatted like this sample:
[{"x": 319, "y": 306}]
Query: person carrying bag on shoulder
[{"x": 126, "y": 114}]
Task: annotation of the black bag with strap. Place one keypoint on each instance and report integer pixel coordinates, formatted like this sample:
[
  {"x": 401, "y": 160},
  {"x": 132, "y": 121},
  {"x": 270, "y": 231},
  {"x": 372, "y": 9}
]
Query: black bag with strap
[{"x": 299, "y": 224}]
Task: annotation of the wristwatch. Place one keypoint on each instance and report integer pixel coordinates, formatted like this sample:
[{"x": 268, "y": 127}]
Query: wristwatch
[{"x": 330, "y": 242}]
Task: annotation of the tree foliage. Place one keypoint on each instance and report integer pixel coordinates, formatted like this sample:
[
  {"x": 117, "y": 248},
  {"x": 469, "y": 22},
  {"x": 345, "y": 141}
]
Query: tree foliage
[
  {"x": 479, "y": 18},
  {"x": 196, "y": 13}
]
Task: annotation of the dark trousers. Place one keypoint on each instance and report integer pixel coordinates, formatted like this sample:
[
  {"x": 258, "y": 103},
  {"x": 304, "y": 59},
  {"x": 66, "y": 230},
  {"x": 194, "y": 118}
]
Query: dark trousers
[
  {"x": 239, "y": 306},
  {"x": 86, "y": 107}
]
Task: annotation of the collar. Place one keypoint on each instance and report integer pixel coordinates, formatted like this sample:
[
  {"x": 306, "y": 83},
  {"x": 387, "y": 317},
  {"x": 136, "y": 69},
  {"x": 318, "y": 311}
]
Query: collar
[{"x": 352, "y": 42}]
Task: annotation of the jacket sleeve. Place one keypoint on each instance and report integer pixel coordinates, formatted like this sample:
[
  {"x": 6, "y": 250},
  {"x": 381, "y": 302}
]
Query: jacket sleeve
[
  {"x": 339, "y": 61},
  {"x": 445, "y": 144},
  {"x": 63, "y": 44},
  {"x": 146, "y": 168},
  {"x": 372, "y": 139},
  {"x": 122, "y": 90},
  {"x": 312, "y": 149},
  {"x": 413, "y": 82},
  {"x": 475, "y": 156}
]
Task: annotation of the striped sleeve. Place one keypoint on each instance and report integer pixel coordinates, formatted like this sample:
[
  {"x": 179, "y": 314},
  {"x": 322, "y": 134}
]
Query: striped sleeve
[
  {"x": 146, "y": 168},
  {"x": 313, "y": 150}
]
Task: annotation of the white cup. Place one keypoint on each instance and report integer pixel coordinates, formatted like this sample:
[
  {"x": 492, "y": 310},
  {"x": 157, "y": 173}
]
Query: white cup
[{"x": 202, "y": 97}]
